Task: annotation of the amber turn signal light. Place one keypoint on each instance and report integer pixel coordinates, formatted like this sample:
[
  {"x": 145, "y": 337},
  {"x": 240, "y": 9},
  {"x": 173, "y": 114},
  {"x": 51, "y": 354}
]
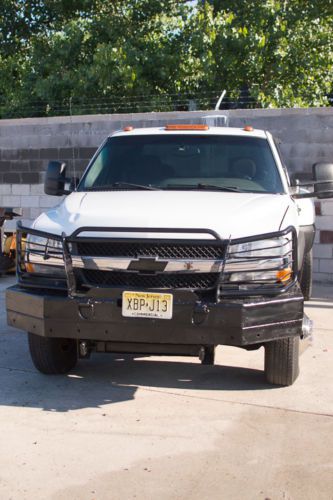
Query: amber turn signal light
[{"x": 284, "y": 274}]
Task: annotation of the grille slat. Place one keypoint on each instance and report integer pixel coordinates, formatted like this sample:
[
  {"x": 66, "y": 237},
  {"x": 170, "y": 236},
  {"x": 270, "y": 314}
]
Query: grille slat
[
  {"x": 126, "y": 279},
  {"x": 165, "y": 251}
]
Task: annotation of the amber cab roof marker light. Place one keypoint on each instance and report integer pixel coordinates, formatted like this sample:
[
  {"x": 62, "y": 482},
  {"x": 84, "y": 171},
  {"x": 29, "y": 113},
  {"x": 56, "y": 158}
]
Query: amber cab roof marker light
[
  {"x": 129, "y": 128},
  {"x": 248, "y": 128},
  {"x": 187, "y": 126}
]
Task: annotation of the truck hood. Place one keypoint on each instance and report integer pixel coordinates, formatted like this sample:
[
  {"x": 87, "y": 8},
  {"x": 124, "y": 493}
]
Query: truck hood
[{"x": 234, "y": 215}]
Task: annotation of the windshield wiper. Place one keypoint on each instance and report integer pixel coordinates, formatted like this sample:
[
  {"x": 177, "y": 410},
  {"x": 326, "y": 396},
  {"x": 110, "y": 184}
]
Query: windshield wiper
[
  {"x": 121, "y": 185},
  {"x": 200, "y": 186}
]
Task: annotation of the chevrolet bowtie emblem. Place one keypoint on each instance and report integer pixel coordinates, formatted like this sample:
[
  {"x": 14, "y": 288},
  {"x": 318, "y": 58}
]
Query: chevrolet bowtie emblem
[
  {"x": 188, "y": 266},
  {"x": 148, "y": 264}
]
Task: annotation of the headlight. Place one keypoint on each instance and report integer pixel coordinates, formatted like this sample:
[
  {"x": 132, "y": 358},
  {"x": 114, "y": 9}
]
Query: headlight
[
  {"x": 44, "y": 255},
  {"x": 254, "y": 264}
]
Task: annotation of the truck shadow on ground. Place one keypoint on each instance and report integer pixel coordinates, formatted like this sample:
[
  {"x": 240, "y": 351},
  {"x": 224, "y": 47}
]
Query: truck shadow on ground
[{"x": 108, "y": 379}]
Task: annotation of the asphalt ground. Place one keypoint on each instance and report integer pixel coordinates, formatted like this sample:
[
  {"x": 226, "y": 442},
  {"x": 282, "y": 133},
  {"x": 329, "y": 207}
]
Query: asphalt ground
[{"x": 123, "y": 427}]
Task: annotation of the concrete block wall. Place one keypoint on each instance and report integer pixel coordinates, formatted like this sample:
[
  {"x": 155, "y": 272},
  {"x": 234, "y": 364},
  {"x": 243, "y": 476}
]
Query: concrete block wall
[
  {"x": 323, "y": 247},
  {"x": 26, "y": 146}
]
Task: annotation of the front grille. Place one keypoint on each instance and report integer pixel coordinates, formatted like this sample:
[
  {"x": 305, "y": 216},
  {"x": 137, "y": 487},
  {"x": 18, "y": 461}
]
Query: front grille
[
  {"x": 136, "y": 280},
  {"x": 161, "y": 250}
]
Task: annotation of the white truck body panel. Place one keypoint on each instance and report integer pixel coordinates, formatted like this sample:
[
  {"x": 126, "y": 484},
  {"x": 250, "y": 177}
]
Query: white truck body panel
[{"x": 234, "y": 215}]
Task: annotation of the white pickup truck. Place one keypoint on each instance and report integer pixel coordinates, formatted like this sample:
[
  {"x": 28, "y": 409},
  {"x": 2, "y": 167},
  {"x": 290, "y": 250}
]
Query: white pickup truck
[{"x": 176, "y": 239}]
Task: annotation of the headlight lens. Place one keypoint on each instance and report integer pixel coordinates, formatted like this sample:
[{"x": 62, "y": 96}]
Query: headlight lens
[
  {"x": 44, "y": 255},
  {"x": 254, "y": 264}
]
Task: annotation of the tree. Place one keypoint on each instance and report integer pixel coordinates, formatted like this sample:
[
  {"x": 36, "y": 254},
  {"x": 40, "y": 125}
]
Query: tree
[
  {"x": 146, "y": 55},
  {"x": 281, "y": 50}
]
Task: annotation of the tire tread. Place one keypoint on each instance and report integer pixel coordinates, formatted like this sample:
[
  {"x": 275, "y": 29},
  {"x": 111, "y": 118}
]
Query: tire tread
[
  {"x": 48, "y": 357},
  {"x": 282, "y": 361}
]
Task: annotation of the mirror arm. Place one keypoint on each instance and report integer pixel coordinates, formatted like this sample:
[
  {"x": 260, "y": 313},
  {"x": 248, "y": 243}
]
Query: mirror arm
[{"x": 304, "y": 195}]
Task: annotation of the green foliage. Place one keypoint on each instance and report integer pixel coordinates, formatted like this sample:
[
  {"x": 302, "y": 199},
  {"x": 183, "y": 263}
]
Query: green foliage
[{"x": 141, "y": 55}]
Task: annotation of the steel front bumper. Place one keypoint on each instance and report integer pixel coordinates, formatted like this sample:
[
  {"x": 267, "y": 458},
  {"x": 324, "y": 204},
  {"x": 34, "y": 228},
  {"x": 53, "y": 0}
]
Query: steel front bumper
[{"x": 98, "y": 316}]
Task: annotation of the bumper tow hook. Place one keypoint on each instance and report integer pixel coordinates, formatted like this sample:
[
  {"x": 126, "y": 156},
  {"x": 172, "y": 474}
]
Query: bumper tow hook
[
  {"x": 86, "y": 310},
  {"x": 200, "y": 313}
]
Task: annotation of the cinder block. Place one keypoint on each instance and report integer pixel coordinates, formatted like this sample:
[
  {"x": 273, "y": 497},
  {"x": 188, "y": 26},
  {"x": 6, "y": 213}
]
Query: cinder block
[
  {"x": 37, "y": 189},
  {"x": 21, "y": 189},
  {"x": 28, "y": 154},
  {"x": 5, "y": 189},
  {"x": 49, "y": 154},
  {"x": 11, "y": 201},
  {"x": 30, "y": 177},
  {"x": 48, "y": 201},
  {"x": 38, "y": 165},
  {"x": 327, "y": 207},
  {"x": 324, "y": 222},
  {"x": 326, "y": 236},
  {"x": 5, "y": 166},
  {"x": 29, "y": 201},
  {"x": 318, "y": 277},
  {"x": 20, "y": 166},
  {"x": 323, "y": 251},
  {"x": 315, "y": 265},
  {"x": 86, "y": 153},
  {"x": 12, "y": 178},
  {"x": 326, "y": 265},
  {"x": 9, "y": 154}
]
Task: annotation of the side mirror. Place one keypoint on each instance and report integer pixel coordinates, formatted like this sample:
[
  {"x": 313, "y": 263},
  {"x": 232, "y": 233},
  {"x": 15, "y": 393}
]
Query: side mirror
[
  {"x": 55, "y": 179},
  {"x": 323, "y": 176}
]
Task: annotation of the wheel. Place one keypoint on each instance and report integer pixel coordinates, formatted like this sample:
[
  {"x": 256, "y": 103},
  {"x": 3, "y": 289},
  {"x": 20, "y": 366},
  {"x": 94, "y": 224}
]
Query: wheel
[
  {"x": 52, "y": 356},
  {"x": 305, "y": 280},
  {"x": 282, "y": 361},
  {"x": 207, "y": 356}
]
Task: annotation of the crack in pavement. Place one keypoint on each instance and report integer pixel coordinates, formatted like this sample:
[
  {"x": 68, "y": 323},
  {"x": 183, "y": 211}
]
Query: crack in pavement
[{"x": 244, "y": 403}]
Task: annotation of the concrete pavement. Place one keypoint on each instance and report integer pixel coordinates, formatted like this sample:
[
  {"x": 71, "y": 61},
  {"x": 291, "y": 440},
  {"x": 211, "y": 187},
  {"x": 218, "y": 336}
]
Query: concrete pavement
[{"x": 121, "y": 427}]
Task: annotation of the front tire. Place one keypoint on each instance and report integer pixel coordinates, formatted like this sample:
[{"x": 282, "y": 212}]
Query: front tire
[
  {"x": 52, "y": 356},
  {"x": 282, "y": 361}
]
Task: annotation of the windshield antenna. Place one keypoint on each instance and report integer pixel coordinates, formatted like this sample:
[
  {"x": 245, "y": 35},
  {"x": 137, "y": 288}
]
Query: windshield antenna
[{"x": 218, "y": 104}]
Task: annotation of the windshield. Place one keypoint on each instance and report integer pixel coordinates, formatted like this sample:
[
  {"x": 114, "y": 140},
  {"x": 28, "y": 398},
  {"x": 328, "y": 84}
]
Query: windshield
[{"x": 183, "y": 162}]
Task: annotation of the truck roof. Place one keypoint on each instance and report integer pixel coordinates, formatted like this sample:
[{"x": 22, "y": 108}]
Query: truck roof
[{"x": 239, "y": 132}]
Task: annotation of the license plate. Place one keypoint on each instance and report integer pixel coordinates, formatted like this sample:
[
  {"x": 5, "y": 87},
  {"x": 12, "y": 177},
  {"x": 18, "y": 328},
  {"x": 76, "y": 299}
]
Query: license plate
[{"x": 147, "y": 305}]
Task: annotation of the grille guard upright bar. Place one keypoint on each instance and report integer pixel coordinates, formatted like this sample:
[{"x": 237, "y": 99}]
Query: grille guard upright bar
[{"x": 71, "y": 281}]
